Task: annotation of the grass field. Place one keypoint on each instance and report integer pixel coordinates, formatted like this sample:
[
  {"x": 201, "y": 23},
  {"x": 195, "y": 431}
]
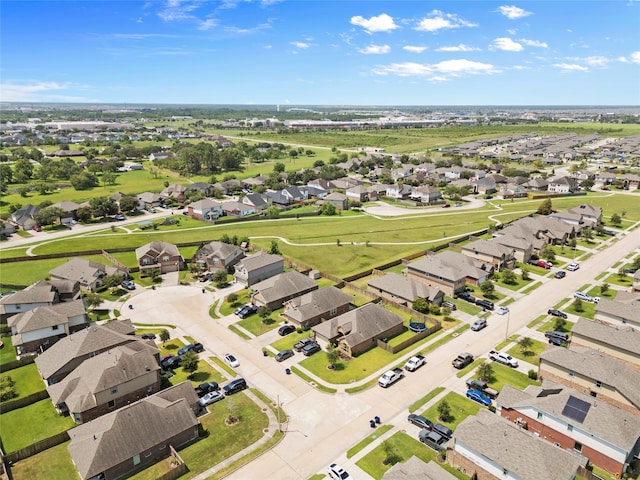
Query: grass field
[
  {"x": 531, "y": 355},
  {"x": 504, "y": 375},
  {"x": 27, "y": 379},
  {"x": 54, "y": 463},
  {"x": 461, "y": 408}
]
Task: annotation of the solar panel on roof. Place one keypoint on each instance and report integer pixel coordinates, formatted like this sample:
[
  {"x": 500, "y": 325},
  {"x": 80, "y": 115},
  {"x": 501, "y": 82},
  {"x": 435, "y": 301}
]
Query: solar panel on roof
[{"x": 576, "y": 409}]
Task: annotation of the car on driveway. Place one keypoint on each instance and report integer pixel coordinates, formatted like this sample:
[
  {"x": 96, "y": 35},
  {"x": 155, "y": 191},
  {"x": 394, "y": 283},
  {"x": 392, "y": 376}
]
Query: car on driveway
[
  {"x": 283, "y": 355},
  {"x": 119, "y": 216},
  {"x": 560, "y": 274},
  {"x": 586, "y": 297},
  {"x": 286, "y": 330},
  {"x": 442, "y": 430},
  {"x": 336, "y": 472},
  {"x": 211, "y": 397},
  {"x": 420, "y": 421},
  {"x": 248, "y": 311},
  {"x": 556, "y": 313},
  {"x": 171, "y": 363},
  {"x": 196, "y": 347},
  {"x": 148, "y": 336},
  {"x": 207, "y": 387},
  {"x": 479, "y": 397},
  {"x": 231, "y": 360},
  {"x": 479, "y": 325},
  {"x": 572, "y": 267},
  {"x": 502, "y": 311},
  {"x": 129, "y": 285},
  {"x": 450, "y": 305},
  {"x": 310, "y": 349},
  {"x": 303, "y": 343}
]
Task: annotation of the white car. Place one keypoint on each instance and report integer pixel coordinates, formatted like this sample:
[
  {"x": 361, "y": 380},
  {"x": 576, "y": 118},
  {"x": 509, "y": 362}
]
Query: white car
[
  {"x": 572, "y": 267},
  {"x": 211, "y": 397},
  {"x": 586, "y": 297},
  {"x": 338, "y": 473},
  {"x": 502, "y": 311},
  {"x": 231, "y": 360}
]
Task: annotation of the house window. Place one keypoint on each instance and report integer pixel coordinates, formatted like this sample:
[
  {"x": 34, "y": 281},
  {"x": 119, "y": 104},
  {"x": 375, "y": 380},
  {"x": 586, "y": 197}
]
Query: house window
[
  {"x": 136, "y": 459},
  {"x": 571, "y": 373},
  {"x": 539, "y": 415},
  {"x": 570, "y": 427},
  {"x": 111, "y": 404},
  {"x": 114, "y": 389},
  {"x": 577, "y": 446},
  {"x": 55, "y": 327},
  {"x": 598, "y": 383},
  {"x": 165, "y": 258},
  {"x": 146, "y": 261},
  {"x": 333, "y": 311},
  {"x": 593, "y": 394}
]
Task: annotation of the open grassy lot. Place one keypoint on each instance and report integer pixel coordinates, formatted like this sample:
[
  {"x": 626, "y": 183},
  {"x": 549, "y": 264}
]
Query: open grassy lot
[
  {"x": 27, "y": 379},
  {"x": 16, "y": 436},
  {"x": 54, "y": 463},
  {"x": 532, "y": 354},
  {"x": 461, "y": 408},
  {"x": 402, "y": 447}
]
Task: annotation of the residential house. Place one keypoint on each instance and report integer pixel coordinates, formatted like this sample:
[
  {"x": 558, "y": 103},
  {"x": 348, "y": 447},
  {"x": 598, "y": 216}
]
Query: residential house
[
  {"x": 258, "y": 201},
  {"x": 205, "y": 188},
  {"x": 205, "y": 209},
  {"x": 511, "y": 190},
  {"x": 314, "y": 307},
  {"x": 340, "y": 200},
  {"x": 7, "y": 229},
  {"x": 449, "y": 271},
  {"x": 228, "y": 187},
  {"x": 274, "y": 291},
  {"x": 260, "y": 266},
  {"x": 490, "y": 252},
  {"x": 608, "y": 436},
  {"x": 562, "y": 185},
  {"x": 604, "y": 178},
  {"x": 417, "y": 469},
  {"x": 593, "y": 373},
  {"x": 237, "y": 209},
  {"x": 403, "y": 290},
  {"x": 522, "y": 247},
  {"x": 148, "y": 200},
  {"x": 631, "y": 181},
  {"x": 88, "y": 274},
  {"x": 70, "y": 211},
  {"x": 37, "y": 329},
  {"x": 214, "y": 256},
  {"x": 623, "y": 311},
  {"x": 277, "y": 198},
  {"x": 484, "y": 185},
  {"x": 537, "y": 184},
  {"x": 398, "y": 191},
  {"x": 25, "y": 217},
  {"x": 107, "y": 381},
  {"x": 294, "y": 194},
  {"x": 161, "y": 156},
  {"x": 163, "y": 256},
  {"x": 358, "y": 193},
  {"x": 426, "y": 194},
  {"x": 582, "y": 175},
  {"x": 41, "y": 294},
  {"x": 68, "y": 353},
  {"x": 490, "y": 447},
  {"x": 313, "y": 192},
  {"x": 174, "y": 191},
  {"x": 132, "y": 437},
  {"x": 358, "y": 330},
  {"x": 621, "y": 342}
]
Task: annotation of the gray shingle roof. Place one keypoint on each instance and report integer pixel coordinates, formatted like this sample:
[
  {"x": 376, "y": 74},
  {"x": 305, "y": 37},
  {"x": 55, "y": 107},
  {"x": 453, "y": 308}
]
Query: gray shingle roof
[
  {"x": 629, "y": 310},
  {"x": 403, "y": 287},
  {"x": 32, "y": 294},
  {"x": 259, "y": 260},
  {"x": 620, "y": 338},
  {"x": 316, "y": 303},
  {"x": 416, "y": 469},
  {"x": 44, "y": 317},
  {"x": 283, "y": 285},
  {"x": 84, "y": 271},
  {"x": 610, "y": 423},
  {"x": 514, "y": 449}
]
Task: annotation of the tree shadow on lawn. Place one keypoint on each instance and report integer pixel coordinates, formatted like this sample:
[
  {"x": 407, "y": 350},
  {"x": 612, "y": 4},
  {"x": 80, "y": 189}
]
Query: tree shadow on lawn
[{"x": 200, "y": 377}]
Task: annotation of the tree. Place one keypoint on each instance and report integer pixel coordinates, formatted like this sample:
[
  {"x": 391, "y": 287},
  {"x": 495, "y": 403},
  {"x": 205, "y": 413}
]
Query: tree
[
  {"x": 616, "y": 219},
  {"x": 604, "y": 288},
  {"x": 577, "y": 305},
  {"x": 559, "y": 324},
  {"x": 622, "y": 273},
  {"x": 275, "y": 249},
  {"x": 220, "y": 278},
  {"x": 7, "y": 388},
  {"x": 508, "y": 277},
  {"x": 164, "y": 336},
  {"x": 485, "y": 370},
  {"x": 263, "y": 313},
  {"x": 587, "y": 234},
  {"x": 525, "y": 343},
  {"x": 114, "y": 280},
  {"x": 545, "y": 207},
  {"x": 92, "y": 300},
  {"x": 233, "y": 298},
  {"x": 190, "y": 362},
  {"x": 272, "y": 212},
  {"x": 49, "y": 215},
  {"x": 128, "y": 204},
  {"x": 421, "y": 305},
  {"x": 84, "y": 214},
  {"x": 332, "y": 354},
  {"x": 487, "y": 288},
  {"x": 103, "y": 206},
  {"x": 444, "y": 410},
  {"x": 328, "y": 208},
  {"x": 548, "y": 253},
  {"x": 525, "y": 274}
]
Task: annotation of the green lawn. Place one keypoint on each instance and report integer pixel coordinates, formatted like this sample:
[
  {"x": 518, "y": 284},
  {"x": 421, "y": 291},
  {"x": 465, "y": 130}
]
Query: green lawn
[
  {"x": 7, "y": 352},
  {"x": 378, "y": 432},
  {"x": 27, "y": 379},
  {"x": 257, "y": 326},
  {"x": 615, "y": 279},
  {"x": 14, "y": 434},
  {"x": 170, "y": 347},
  {"x": 551, "y": 325},
  {"x": 588, "y": 309},
  {"x": 54, "y": 463},
  {"x": 532, "y": 355},
  {"x": 403, "y": 447},
  {"x": 205, "y": 373},
  {"x": 424, "y": 400},
  {"x": 352, "y": 370},
  {"x": 504, "y": 375},
  {"x": 461, "y": 408}
]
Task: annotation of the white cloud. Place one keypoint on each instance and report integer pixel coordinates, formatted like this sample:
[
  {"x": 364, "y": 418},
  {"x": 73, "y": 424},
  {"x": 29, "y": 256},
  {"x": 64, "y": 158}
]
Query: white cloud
[
  {"x": 458, "y": 48},
  {"x": 534, "y": 43},
  {"x": 381, "y": 23},
  {"x": 512, "y": 12},
  {"x": 438, "y": 20},
  {"x": 375, "y": 49},
  {"x": 438, "y": 71},
  {"x": 39, "y": 92},
  {"x": 597, "y": 61},
  {"x": 300, "y": 45},
  {"x": 507, "y": 45},
  {"x": 177, "y": 10},
  {"x": 570, "y": 67},
  {"x": 414, "y": 48},
  {"x": 207, "y": 24},
  {"x": 635, "y": 57}
]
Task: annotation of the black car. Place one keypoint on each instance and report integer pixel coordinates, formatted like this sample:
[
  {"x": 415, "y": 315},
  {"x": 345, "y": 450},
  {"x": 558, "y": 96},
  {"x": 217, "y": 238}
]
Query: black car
[
  {"x": 171, "y": 363},
  {"x": 442, "y": 430},
  {"x": 247, "y": 311},
  {"x": 286, "y": 330},
  {"x": 235, "y": 386},
  {"x": 148, "y": 336},
  {"x": 420, "y": 421},
  {"x": 556, "y": 313},
  {"x": 310, "y": 349},
  {"x": 206, "y": 387},
  {"x": 484, "y": 303},
  {"x": 559, "y": 342},
  {"x": 560, "y": 274},
  {"x": 283, "y": 355}
]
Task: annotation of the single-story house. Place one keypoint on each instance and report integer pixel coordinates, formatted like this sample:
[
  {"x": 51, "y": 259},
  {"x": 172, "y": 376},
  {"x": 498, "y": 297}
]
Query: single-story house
[
  {"x": 25, "y": 217},
  {"x": 274, "y": 291},
  {"x": 340, "y": 200},
  {"x": 316, "y": 306},
  {"x": 404, "y": 290}
]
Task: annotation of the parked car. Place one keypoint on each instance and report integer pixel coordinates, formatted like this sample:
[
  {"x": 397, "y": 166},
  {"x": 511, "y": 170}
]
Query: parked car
[
  {"x": 336, "y": 472},
  {"x": 310, "y": 349},
  {"x": 207, "y": 387},
  {"x": 583, "y": 296},
  {"x": 555, "y": 334},
  {"x": 442, "y": 430},
  {"x": 479, "y": 397},
  {"x": 446, "y": 205},
  {"x": 286, "y": 330},
  {"x": 37, "y": 228},
  {"x": 420, "y": 421},
  {"x": 302, "y": 343},
  {"x": 560, "y": 274},
  {"x": 462, "y": 360},
  {"x": 247, "y": 311},
  {"x": 432, "y": 439},
  {"x": 450, "y": 305},
  {"x": 484, "y": 303},
  {"x": 119, "y": 216},
  {"x": 457, "y": 204},
  {"x": 196, "y": 347},
  {"x": 557, "y": 342},
  {"x": 234, "y": 386},
  {"x": 231, "y": 360},
  {"x": 572, "y": 267},
  {"x": 283, "y": 355},
  {"x": 502, "y": 311},
  {"x": 556, "y": 313},
  {"x": 611, "y": 233},
  {"x": 171, "y": 363},
  {"x": 148, "y": 336},
  {"x": 544, "y": 264},
  {"x": 129, "y": 285},
  {"x": 211, "y": 397},
  {"x": 479, "y": 325}
]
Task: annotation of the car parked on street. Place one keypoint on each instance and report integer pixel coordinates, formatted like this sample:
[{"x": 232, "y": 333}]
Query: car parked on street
[
  {"x": 210, "y": 398},
  {"x": 560, "y": 274},
  {"x": 479, "y": 397},
  {"x": 502, "y": 311},
  {"x": 556, "y": 313},
  {"x": 286, "y": 330},
  {"x": 586, "y": 297},
  {"x": 572, "y": 267},
  {"x": 420, "y": 421},
  {"x": 336, "y": 472},
  {"x": 479, "y": 325},
  {"x": 283, "y": 355},
  {"x": 231, "y": 360}
]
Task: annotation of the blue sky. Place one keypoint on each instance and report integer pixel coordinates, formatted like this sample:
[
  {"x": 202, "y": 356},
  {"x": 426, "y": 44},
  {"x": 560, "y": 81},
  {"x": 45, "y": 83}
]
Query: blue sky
[{"x": 317, "y": 52}]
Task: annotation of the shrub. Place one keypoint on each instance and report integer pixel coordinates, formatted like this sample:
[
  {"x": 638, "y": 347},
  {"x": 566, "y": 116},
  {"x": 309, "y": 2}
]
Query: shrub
[{"x": 533, "y": 375}]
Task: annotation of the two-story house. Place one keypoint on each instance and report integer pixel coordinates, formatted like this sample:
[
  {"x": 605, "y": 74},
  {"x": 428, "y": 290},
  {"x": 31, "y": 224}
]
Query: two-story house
[
  {"x": 255, "y": 268},
  {"x": 87, "y": 273},
  {"x": 620, "y": 342},
  {"x": 403, "y": 290},
  {"x": 491, "y": 252},
  {"x": 205, "y": 209},
  {"x": 316, "y": 306},
  {"x": 214, "y": 256},
  {"x": 163, "y": 256},
  {"x": 274, "y": 291}
]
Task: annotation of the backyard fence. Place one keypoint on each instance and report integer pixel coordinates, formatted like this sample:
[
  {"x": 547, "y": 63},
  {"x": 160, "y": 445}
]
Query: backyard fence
[
  {"x": 36, "y": 448},
  {"x": 23, "y": 401}
]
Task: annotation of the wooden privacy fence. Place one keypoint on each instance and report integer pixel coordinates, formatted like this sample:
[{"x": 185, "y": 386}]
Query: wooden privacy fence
[{"x": 37, "y": 447}]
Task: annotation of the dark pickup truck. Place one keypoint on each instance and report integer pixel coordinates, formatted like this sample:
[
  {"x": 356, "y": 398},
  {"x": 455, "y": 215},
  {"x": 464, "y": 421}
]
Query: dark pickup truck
[{"x": 482, "y": 386}]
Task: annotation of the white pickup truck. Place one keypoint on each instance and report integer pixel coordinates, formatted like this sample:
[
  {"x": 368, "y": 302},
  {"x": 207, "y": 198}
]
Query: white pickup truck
[
  {"x": 390, "y": 377},
  {"x": 503, "y": 358},
  {"x": 415, "y": 363}
]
